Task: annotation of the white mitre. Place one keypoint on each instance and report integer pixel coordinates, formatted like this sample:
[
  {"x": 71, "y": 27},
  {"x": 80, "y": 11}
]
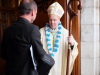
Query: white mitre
[{"x": 55, "y": 9}]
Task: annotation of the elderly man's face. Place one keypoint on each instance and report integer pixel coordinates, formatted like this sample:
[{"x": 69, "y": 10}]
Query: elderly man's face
[{"x": 53, "y": 21}]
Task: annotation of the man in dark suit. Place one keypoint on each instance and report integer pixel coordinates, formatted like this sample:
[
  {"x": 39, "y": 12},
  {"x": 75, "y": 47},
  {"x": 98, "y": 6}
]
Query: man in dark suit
[{"x": 17, "y": 40}]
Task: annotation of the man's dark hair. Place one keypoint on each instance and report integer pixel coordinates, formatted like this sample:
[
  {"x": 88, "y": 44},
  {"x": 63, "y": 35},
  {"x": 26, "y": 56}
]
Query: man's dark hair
[{"x": 26, "y": 7}]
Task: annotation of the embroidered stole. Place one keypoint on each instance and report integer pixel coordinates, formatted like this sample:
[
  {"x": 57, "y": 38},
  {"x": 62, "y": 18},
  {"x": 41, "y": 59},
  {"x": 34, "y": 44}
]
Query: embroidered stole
[{"x": 54, "y": 50}]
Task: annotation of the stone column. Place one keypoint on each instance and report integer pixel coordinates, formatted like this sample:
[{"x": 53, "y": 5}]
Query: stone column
[{"x": 90, "y": 52}]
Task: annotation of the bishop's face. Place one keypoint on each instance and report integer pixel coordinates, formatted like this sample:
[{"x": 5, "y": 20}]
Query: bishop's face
[{"x": 53, "y": 21}]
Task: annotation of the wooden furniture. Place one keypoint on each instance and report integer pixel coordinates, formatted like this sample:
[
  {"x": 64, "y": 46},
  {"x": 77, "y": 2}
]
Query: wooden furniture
[{"x": 8, "y": 14}]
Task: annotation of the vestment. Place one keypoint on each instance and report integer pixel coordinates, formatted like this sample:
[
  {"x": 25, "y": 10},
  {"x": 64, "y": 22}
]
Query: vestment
[
  {"x": 60, "y": 57},
  {"x": 16, "y": 44}
]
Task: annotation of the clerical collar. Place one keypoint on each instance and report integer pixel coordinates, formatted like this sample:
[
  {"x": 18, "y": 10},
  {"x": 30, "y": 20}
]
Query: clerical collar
[{"x": 53, "y": 30}]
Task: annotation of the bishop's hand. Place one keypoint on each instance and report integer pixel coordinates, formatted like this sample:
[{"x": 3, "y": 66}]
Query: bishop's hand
[{"x": 71, "y": 40}]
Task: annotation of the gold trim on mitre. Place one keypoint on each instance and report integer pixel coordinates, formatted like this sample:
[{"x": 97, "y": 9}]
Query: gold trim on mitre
[{"x": 55, "y": 9}]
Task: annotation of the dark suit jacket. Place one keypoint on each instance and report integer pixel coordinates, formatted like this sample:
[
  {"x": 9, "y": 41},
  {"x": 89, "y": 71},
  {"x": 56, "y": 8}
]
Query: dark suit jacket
[{"x": 16, "y": 44}]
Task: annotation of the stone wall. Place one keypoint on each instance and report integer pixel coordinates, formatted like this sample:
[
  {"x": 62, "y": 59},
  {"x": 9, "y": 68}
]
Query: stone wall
[{"x": 90, "y": 41}]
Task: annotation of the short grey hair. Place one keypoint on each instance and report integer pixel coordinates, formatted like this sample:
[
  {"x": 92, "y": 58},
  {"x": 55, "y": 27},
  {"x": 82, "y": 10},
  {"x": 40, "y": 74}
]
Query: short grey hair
[{"x": 26, "y": 7}]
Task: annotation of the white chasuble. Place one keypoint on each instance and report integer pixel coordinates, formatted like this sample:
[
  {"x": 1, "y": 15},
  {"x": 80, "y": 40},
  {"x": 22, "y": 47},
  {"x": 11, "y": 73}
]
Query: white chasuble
[{"x": 60, "y": 56}]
